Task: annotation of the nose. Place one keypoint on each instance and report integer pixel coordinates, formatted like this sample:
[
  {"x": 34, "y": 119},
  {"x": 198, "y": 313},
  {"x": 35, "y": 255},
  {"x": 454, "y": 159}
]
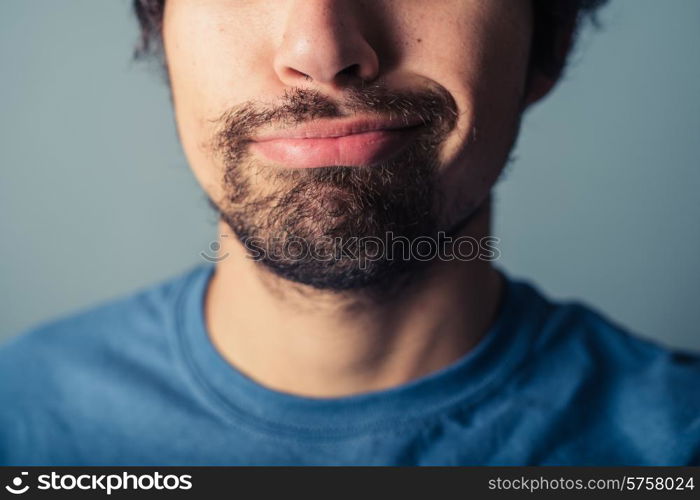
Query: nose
[{"x": 322, "y": 43}]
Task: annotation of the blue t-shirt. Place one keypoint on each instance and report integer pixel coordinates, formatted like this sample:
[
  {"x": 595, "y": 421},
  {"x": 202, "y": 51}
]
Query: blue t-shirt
[{"x": 136, "y": 381}]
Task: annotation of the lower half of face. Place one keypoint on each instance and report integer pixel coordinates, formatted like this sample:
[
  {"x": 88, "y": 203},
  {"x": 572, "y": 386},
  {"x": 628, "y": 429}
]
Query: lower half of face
[{"x": 338, "y": 213}]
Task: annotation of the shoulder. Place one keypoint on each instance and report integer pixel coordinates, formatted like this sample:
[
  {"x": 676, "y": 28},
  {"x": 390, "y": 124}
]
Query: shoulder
[
  {"x": 140, "y": 313},
  {"x": 617, "y": 350},
  {"x": 64, "y": 368},
  {"x": 642, "y": 393}
]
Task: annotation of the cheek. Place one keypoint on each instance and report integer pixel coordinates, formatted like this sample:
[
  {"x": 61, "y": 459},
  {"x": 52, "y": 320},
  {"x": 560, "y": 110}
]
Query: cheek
[
  {"x": 195, "y": 132},
  {"x": 209, "y": 60},
  {"x": 484, "y": 70}
]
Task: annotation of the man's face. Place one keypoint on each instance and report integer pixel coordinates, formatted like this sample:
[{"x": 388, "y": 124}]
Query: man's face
[{"x": 319, "y": 121}]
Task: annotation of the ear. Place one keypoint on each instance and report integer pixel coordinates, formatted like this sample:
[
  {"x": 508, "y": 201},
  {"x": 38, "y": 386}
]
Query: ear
[
  {"x": 538, "y": 86},
  {"x": 540, "y": 80}
]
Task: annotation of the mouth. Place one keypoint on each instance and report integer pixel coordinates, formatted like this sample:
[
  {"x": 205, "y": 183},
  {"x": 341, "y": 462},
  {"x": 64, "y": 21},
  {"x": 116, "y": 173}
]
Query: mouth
[{"x": 337, "y": 142}]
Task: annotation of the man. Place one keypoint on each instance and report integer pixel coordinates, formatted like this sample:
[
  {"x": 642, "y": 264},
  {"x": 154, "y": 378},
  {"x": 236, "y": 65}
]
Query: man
[{"x": 353, "y": 314}]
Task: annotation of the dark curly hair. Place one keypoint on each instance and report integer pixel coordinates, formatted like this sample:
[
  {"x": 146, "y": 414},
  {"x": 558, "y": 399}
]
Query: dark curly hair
[{"x": 553, "y": 18}]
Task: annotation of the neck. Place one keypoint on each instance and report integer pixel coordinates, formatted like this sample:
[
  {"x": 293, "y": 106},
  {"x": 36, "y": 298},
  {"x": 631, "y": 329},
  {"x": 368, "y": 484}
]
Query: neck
[{"x": 319, "y": 344}]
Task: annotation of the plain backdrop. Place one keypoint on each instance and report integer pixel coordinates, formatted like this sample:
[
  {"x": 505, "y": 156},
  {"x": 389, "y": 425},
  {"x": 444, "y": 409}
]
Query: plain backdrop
[{"x": 600, "y": 203}]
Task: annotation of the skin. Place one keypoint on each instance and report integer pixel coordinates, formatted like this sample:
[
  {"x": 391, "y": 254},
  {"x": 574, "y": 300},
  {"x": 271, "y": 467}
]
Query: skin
[{"x": 304, "y": 341}]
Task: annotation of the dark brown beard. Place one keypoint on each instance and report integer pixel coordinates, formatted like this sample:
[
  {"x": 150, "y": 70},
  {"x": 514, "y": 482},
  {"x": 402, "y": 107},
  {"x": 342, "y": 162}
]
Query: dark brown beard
[{"x": 326, "y": 214}]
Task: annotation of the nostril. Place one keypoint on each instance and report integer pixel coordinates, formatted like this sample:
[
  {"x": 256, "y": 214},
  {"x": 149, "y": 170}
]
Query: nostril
[
  {"x": 352, "y": 70},
  {"x": 350, "y": 74},
  {"x": 298, "y": 74}
]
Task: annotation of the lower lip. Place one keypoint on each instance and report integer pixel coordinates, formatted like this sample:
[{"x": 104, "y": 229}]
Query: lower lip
[{"x": 362, "y": 149}]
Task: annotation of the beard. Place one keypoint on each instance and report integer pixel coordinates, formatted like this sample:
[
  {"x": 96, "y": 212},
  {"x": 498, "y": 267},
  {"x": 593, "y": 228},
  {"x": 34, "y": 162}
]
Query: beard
[{"x": 334, "y": 227}]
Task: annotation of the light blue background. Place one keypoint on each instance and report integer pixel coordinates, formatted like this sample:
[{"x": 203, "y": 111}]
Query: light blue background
[{"x": 601, "y": 205}]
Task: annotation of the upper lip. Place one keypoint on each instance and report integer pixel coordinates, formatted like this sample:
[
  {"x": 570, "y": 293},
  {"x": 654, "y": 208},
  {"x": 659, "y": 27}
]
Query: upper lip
[{"x": 337, "y": 127}]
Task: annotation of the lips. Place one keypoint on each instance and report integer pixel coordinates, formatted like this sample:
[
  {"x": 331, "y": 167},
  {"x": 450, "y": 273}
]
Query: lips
[{"x": 336, "y": 142}]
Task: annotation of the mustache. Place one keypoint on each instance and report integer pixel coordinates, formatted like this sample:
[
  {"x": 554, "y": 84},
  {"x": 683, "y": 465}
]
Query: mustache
[{"x": 433, "y": 106}]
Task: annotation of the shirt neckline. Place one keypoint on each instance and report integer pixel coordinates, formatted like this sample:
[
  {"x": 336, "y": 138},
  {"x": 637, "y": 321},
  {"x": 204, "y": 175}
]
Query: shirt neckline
[{"x": 505, "y": 344}]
